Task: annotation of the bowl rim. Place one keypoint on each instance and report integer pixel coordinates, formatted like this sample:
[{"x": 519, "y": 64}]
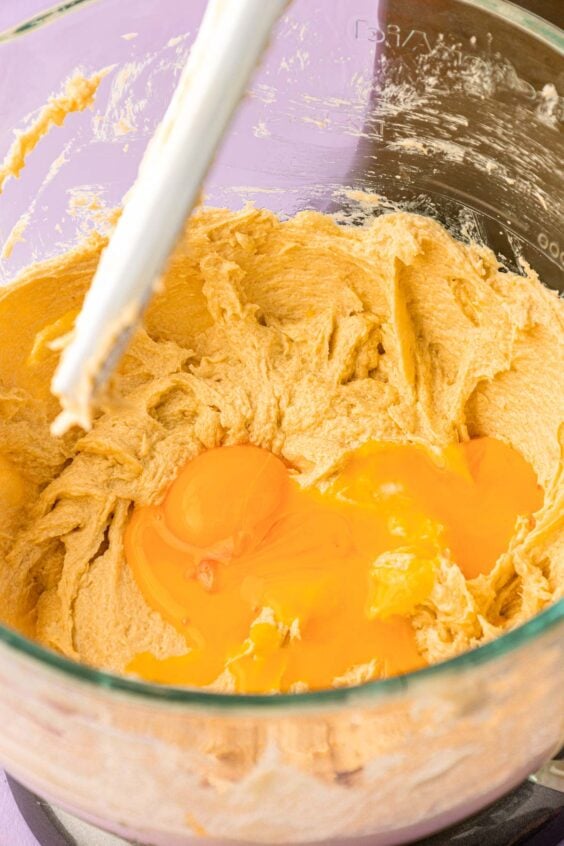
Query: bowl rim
[
  {"x": 516, "y": 638},
  {"x": 544, "y": 30},
  {"x": 130, "y": 686}
]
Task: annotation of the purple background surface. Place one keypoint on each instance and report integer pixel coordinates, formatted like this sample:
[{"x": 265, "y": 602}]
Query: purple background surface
[
  {"x": 13, "y": 830},
  {"x": 292, "y": 140}
]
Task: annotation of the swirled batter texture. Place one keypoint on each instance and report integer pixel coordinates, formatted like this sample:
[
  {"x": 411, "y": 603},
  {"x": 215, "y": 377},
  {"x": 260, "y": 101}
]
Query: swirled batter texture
[{"x": 299, "y": 337}]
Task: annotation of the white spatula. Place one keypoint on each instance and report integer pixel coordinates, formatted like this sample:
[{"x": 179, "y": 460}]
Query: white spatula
[{"x": 230, "y": 41}]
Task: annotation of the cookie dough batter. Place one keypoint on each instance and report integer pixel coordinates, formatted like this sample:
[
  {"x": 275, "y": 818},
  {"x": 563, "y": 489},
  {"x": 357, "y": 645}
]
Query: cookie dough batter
[{"x": 302, "y": 337}]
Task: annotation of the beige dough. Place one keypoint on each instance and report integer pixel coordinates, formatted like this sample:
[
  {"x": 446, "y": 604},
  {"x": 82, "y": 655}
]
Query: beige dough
[{"x": 302, "y": 337}]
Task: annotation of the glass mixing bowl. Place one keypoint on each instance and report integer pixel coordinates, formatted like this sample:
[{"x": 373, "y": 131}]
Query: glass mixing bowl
[{"x": 448, "y": 107}]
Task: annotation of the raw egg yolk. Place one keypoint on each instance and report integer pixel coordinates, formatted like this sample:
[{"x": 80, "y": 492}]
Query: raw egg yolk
[{"x": 286, "y": 588}]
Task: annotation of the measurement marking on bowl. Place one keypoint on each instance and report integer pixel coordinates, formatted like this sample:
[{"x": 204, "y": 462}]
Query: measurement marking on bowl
[
  {"x": 551, "y": 249},
  {"x": 392, "y": 35}
]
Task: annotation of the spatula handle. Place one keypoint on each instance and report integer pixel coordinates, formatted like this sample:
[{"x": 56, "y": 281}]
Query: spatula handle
[{"x": 230, "y": 41}]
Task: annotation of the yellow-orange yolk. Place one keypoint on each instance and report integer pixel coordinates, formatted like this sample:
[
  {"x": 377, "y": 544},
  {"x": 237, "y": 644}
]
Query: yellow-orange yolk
[{"x": 285, "y": 586}]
